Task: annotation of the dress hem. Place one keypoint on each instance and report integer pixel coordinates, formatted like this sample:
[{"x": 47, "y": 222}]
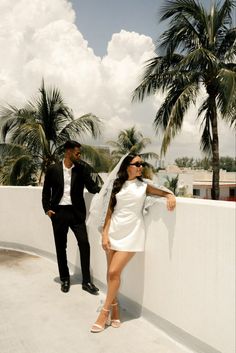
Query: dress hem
[{"x": 123, "y": 250}]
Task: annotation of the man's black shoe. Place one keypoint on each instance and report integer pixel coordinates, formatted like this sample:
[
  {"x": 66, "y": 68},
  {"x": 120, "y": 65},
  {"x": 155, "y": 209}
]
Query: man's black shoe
[
  {"x": 90, "y": 287},
  {"x": 65, "y": 286}
]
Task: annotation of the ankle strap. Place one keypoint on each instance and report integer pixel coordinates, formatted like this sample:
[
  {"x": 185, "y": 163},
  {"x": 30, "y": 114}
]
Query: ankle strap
[
  {"x": 105, "y": 309},
  {"x": 114, "y": 304}
]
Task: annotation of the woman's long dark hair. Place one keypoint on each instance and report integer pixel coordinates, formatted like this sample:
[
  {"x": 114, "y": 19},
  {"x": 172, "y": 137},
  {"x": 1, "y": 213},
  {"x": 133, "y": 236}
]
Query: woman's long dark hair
[{"x": 122, "y": 176}]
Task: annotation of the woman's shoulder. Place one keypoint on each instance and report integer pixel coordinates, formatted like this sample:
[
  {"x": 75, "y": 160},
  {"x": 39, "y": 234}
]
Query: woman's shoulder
[
  {"x": 141, "y": 181},
  {"x": 138, "y": 181}
]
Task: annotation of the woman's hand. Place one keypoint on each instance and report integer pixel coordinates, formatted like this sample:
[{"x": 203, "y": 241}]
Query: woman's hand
[
  {"x": 171, "y": 202},
  {"x": 105, "y": 242}
]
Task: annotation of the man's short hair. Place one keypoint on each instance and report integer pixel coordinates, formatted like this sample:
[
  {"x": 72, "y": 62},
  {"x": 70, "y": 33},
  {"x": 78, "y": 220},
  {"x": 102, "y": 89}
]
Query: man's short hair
[{"x": 70, "y": 144}]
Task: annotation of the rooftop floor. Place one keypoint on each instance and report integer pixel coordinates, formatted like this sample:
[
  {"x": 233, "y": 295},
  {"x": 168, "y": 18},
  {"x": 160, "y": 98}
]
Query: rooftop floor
[{"x": 36, "y": 317}]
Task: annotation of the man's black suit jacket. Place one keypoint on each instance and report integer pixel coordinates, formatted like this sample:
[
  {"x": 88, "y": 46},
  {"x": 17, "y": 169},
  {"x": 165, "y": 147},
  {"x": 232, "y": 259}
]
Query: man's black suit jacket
[{"x": 53, "y": 187}]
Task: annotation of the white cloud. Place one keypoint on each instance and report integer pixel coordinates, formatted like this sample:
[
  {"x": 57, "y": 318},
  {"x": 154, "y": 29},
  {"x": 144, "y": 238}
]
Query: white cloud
[{"x": 39, "y": 39}]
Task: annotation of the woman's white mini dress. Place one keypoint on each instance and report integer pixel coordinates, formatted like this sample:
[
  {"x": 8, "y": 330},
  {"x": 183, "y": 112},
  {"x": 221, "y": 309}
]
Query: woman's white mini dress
[{"x": 127, "y": 231}]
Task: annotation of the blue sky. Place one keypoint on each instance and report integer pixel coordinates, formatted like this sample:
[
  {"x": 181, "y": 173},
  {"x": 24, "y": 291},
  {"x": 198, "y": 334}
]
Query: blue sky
[
  {"x": 99, "y": 19},
  {"x": 94, "y": 52}
]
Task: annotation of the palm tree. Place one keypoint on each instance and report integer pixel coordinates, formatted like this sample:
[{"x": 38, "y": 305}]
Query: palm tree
[
  {"x": 184, "y": 162},
  {"x": 131, "y": 140},
  {"x": 198, "y": 52},
  {"x": 17, "y": 166},
  {"x": 172, "y": 184},
  {"x": 44, "y": 125}
]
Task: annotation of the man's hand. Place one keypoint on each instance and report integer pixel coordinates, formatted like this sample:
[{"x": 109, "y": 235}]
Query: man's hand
[{"x": 50, "y": 213}]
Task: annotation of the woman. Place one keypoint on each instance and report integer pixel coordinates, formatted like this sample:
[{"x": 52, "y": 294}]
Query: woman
[{"x": 123, "y": 233}]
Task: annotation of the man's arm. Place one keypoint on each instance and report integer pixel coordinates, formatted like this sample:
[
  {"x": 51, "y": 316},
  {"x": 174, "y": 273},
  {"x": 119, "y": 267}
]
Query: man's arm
[
  {"x": 92, "y": 183},
  {"x": 46, "y": 193},
  {"x": 92, "y": 180}
]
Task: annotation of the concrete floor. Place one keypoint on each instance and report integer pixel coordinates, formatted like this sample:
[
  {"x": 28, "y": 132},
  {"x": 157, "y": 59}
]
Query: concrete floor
[{"x": 36, "y": 317}]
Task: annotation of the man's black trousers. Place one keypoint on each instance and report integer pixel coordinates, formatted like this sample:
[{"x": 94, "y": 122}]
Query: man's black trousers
[{"x": 65, "y": 218}]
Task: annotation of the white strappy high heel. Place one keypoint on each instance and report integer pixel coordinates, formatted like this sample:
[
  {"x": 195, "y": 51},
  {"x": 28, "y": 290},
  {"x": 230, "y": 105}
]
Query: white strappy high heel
[
  {"x": 99, "y": 328},
  {"x": 115, "y": 323}
]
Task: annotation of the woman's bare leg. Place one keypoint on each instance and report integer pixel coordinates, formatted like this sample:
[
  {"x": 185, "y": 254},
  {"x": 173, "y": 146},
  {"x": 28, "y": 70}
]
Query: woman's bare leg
[
  {"x": 116, "y": 261},
  {"x": 109, "y": 256}
]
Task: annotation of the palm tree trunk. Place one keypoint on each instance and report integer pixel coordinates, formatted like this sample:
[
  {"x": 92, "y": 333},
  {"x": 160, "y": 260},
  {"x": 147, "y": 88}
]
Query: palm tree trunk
[
  {"x": 215, "y": 190},
  {"x": 43, "y": 168},
  {"x": 40, "y": 177}
]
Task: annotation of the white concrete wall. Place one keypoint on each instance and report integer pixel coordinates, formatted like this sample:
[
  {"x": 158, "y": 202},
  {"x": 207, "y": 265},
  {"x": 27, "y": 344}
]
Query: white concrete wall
[{"x": 185, "y": 280}]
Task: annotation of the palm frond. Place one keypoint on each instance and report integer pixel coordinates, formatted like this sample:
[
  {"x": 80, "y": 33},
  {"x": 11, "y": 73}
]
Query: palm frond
[
  {"x": 190, "y": 8},
  {"x": 180, "y": 36},
  {"x": 17, "y": 166},
  {"x": 140, "y": 145},
  {"x": 226, "y": 91},
  {"x": 23, "y": 171},
  {"x": 11, "y": 119},
  {"x": 173, "y": 110},
  {"x": 114, "y": 144},
  {"x": 52, "y": 112},
  {"x": 224, "y": 14},
  {"x": 157, "y": 75},
  {"x": 227, "y": 47},
  {"x": 149, "y": 155},
  {"x": 199, "y": 60},
  {"x": 32, "y": 136},
  {"x": 97, "y": 158},
  {"x": 192, "y": 17},
  {"x": 88, "y": 123},
  {"x": 130, "y": 141}
]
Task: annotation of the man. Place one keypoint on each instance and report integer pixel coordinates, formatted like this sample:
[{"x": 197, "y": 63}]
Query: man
[{"x": 63, "y": 202}]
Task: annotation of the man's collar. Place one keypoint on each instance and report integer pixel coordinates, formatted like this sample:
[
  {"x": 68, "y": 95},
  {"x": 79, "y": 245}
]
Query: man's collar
[{"x": 64, "y": 167}]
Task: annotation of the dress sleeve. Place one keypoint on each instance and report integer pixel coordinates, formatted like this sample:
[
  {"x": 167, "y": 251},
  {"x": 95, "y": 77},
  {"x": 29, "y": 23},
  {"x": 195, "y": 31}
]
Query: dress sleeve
[{"x": 152, "y": 199}]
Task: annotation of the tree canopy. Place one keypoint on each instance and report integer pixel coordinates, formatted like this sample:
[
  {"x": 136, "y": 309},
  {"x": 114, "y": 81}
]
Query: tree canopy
[
  {"x": 197, "y": 57},
  {"x": 133, "y": 141},
  {"x": 42, "y": 126}
]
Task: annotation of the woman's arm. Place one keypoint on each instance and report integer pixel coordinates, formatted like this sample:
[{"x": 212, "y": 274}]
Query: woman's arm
[
  {"x": 171, "y": 200},
  {"x": 105, "y": 236}
]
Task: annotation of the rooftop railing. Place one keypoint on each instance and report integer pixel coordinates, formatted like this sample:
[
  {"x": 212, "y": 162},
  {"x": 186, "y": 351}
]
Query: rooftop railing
[{"x": 184, "y": 282}]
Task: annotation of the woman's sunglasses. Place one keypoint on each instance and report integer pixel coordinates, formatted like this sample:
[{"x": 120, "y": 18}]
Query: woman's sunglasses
[{"x": 137, "y": 164}]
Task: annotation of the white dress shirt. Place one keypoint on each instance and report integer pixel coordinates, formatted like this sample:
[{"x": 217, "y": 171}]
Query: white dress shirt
[{"x": 66, "y": 199}]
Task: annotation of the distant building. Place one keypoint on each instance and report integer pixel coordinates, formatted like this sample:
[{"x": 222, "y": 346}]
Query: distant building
[
  {"x": 203, "y": 180},
  {"x": 197, "y": 183}
]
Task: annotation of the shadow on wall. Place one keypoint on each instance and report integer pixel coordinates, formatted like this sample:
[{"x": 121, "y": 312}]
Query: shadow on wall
[
  {"x": 166, "y": 222},
  {"x": 133, "y": 277}
]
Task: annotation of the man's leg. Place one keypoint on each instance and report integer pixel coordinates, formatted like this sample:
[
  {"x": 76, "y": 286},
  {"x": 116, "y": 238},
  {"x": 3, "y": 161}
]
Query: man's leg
[
  {"x": 60, "y": 230},
  {"x": 81, "y": 235}
]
